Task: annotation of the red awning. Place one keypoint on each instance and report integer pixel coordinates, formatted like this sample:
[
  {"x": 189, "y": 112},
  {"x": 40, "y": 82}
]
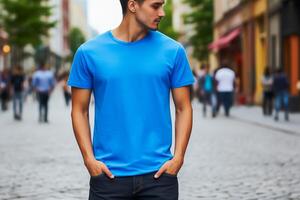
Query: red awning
[{"x": 224, "y": 41}]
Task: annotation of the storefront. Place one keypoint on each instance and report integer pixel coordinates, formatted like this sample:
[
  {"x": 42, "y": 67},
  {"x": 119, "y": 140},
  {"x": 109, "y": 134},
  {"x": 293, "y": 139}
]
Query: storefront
[{"x": 290, "y": 29}]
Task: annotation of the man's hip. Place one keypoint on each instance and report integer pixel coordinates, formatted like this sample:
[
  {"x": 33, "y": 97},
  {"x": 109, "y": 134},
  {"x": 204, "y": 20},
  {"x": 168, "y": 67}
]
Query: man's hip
[{"x": 140, "y": 187}]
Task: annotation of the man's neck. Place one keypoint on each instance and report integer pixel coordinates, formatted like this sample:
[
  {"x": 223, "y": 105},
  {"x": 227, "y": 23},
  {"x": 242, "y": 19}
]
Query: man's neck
[{"x": 129, "y": 30}]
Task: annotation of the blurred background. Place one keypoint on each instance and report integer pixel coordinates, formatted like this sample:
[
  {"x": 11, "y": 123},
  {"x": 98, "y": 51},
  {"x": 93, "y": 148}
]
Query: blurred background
[{"x": 253, "y": 153}]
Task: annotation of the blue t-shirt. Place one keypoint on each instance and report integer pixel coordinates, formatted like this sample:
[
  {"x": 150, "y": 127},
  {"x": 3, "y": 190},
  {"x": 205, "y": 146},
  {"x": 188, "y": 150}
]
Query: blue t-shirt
[
  {"x": 208, "y": 83},
  {"x": 131, "y": 83},
  {"x": 43, "y": 80}
]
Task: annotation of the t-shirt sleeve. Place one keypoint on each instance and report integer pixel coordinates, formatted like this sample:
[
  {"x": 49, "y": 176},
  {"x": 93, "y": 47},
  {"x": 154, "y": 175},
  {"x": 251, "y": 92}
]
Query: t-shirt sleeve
[
  {"x": 181, "y": 74},
  {"x": 80, "y": 75}
]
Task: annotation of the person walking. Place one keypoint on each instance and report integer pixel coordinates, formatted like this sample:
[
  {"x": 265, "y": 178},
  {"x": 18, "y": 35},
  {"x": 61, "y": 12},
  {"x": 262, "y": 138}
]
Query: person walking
[
  {"x": 4, "y": 89},
  {"x": 131, "y": 71},
  {"x": 267, "y": 83},
  {"x": 281, "y": 90},
  {"x": 67, "y": 91},
  {"x": 200, "y": 76},
  {"x": 63, "y": 79},
  {"x": 225, "y": 78},
  {"x": 17, "y": 83},
  {"x": 43, "y": 82},
  {"x": 207, "y": 92}
]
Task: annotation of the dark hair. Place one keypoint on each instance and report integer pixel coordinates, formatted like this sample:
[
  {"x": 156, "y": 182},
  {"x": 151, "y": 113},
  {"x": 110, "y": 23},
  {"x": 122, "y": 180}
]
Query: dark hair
[
  {"x": 203, "y": 66},
  {"x": 224, "y": 63},
  {"x": 267, "y": 71},
  {"x": 124, "y": 4},
  {"x": 279, "y": 70}
]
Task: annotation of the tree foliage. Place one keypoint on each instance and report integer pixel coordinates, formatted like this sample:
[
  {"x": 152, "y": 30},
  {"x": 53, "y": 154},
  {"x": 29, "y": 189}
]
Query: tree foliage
[
  {"x": 76, "y": 38},
  {"x": 26, "y": 22},
  {"x": 202, "y": 20},
  {"x": 166, "y": 25}
]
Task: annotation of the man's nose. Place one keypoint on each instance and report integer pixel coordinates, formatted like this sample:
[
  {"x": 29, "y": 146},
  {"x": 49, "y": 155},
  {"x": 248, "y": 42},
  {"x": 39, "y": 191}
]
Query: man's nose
[{"x": 161, "y": 12}]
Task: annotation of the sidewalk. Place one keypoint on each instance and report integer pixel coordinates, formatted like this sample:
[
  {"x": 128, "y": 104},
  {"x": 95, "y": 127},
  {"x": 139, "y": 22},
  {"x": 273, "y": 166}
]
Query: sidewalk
[{"x": 253, "y": 114}]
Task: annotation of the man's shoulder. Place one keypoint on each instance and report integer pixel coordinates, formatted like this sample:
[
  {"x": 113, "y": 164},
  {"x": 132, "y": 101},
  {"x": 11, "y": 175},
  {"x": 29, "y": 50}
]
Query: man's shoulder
[
  {"x": 37, "y": 72},
  {"x": 95, "y": 42},
  {"x": 50, "y": 73},
  {"x": 225, "y": 70},
  {"x": 161, "y": 37}
]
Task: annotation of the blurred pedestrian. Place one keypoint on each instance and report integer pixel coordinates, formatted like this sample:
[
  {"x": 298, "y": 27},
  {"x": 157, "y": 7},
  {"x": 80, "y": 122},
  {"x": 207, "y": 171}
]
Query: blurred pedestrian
[
  {"x": 66, "y": 88},
  {"x": 281, "y": 90},
  {"x": 193, "y": 87},
  {"x": 131, "y": 79},
  {"x": 29, "y": 89},
  {"x": 4, "y": 88},
  {"x": 200, "y": 76},
  {"x": 17, "y": 83},
  {"x": 208, "y": 93},
  {"x": 43, "y": 82},
  {"x": 225, "y": 78},
  {"x": 267, "y": 83}
]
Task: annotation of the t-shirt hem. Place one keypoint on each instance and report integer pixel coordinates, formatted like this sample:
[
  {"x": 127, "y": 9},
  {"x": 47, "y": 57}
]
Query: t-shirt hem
[
  {"x": 72, "y": 84},
  {"x": 183, "y": 84},
  {"x": 134, "y": 173}
]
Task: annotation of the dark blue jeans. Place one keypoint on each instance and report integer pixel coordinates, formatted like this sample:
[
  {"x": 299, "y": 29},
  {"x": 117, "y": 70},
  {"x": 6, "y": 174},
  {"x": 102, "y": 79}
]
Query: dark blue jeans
[
  {"x": 282, "y": 101},
  {"x": 18, "y": 103},
  {"x": 211, "y": 99},
  {"x": 140, "y": 187},
  {"x": 43, "y": 98},
  {"x": 226, "y": 99}
]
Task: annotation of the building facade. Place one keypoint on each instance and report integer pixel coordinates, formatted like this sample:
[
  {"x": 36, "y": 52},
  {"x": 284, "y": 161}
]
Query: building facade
[
  {"x": 185, "y": 30},
  {"x": 79, "y": 17},
  {"x": 233, "y": 43},
  {"x": 4, "y": 50},
  {"x": 290, "y": 39},
  {"x": 250, "y": 35}
]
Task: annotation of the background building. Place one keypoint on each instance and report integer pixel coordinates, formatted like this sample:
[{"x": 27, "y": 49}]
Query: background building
[
  {"x": 185, "y": 30},
  {"x": 79, "y": 17},
  {"x": 3, "y": 50},
  {"x": 68, "y": 14},
  {"x": 250, "y": 35}
]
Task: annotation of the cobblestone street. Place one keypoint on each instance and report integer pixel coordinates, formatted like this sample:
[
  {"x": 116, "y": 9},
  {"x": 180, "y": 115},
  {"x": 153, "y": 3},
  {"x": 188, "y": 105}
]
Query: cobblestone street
[{"x": 232, "y": 159}]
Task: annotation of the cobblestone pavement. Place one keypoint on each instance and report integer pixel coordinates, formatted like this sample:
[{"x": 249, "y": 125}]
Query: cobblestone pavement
[{"x": 227, "y": 159}]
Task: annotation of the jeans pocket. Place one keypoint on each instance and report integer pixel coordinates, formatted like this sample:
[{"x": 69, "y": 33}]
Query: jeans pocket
[
  {"x": 98, "y": 176},
  {"x": 169, "y": 175}
]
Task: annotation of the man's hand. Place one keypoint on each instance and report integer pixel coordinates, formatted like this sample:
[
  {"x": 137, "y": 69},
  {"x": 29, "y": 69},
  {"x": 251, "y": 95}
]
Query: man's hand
[
  {"x": 171, "y": 167},
  {"x": 96, "y": 168}
]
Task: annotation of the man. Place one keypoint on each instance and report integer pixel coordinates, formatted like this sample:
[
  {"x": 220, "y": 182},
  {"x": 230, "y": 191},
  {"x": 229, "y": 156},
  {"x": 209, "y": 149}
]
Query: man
[
  {"x": 281, "y": 90},
  {"x": 225, "y": 78},
  {"x": 43, "y": 82},
  {"x": 131, "y": 71},
  {"x": 207, "y": 91},
  {"x": 4, "y": 88},
  {"x": 17, "y": 82}
]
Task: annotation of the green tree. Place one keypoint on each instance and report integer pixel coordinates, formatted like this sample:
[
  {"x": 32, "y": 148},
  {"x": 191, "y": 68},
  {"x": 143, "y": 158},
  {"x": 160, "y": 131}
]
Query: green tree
[
  {"x": 201, "y": 18},
  {"x": 26, "y": 22},
  {"x": 76, "y": 38},
  {"x": 166, "y": 26}
]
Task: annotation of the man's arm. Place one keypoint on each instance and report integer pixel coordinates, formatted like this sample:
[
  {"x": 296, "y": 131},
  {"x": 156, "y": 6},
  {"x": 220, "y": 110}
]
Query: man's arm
[
  {"x": 81, "y": 127},
  {"x": 183, "y": 128}
]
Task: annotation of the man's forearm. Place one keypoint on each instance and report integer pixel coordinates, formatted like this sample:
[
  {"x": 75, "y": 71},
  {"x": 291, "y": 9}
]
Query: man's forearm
[
  {"x": 82, "y": 133},
  {"x": 183, "y": 127}
]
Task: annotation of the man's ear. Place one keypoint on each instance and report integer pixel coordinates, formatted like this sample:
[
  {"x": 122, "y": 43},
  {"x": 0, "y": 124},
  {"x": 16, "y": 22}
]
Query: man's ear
[{"x": 132, "y": 6}]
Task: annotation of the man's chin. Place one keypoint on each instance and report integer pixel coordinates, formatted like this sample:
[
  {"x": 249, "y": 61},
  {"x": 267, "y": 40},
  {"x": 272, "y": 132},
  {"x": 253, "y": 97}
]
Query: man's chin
[
  {"x": 151, "y": 28},
  {"x": 154, "y": 28}
]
